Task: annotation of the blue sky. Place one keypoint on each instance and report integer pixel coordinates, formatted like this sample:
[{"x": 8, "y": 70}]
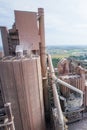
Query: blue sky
[{"x": 65, "y": 20}]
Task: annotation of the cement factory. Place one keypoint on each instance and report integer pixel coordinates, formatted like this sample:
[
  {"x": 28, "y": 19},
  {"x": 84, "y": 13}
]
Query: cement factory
[{"x": 33, "y": 95}]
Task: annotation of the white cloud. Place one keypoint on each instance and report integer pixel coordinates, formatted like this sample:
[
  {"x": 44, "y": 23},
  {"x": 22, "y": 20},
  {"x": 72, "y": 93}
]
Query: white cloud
[{"x": 65, "y": 20}]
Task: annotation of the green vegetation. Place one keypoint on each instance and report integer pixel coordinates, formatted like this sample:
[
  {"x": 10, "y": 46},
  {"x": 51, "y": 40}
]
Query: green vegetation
[
  {"x": 55, "y": 61},
  {"x": 60, "y": 56}
]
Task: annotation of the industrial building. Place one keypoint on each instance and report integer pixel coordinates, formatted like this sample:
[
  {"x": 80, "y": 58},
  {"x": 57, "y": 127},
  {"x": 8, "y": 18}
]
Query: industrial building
[{"x": 32, "y": 96}]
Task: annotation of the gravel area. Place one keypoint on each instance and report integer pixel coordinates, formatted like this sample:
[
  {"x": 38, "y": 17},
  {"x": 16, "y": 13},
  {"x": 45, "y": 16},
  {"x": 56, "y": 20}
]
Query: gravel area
[{"x": 80, "y": 125}]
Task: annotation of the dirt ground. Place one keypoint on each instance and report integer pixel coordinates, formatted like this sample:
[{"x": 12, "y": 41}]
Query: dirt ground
[{"x": 80, "y": 125}]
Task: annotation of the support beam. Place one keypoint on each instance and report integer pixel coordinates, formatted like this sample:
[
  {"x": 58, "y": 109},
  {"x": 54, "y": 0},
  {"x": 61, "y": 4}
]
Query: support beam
[{"x": 57, "y": 105}]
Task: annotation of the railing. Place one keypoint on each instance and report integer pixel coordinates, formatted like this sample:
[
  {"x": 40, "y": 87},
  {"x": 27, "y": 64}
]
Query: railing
[{"x": 8, "y": 121}]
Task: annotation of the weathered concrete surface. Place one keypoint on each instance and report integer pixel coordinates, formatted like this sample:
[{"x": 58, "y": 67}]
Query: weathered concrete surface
[{"x": 80, "y": 125}]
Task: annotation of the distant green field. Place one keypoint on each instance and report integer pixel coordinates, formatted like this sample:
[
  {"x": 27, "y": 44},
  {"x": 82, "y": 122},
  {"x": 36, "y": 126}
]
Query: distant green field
[{"x": 60, "y": 56}]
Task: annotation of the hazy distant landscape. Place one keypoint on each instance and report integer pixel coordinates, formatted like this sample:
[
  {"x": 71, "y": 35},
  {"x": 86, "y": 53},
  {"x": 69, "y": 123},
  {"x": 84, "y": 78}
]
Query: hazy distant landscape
[
  {"x": 75, "y": 52},
  {"x": 65, "y": 51}
]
